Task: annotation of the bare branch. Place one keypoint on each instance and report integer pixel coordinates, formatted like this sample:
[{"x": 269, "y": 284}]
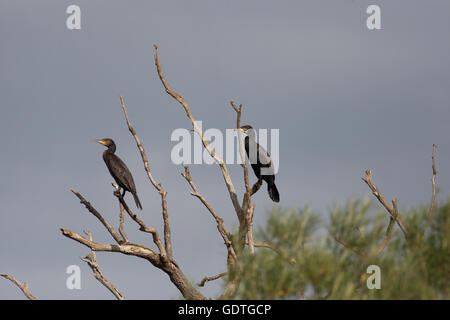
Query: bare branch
[
  {"x": 251, "y": 244},
  {"x": 139, "y": 145},
  {"x": 248, "y": 208},
  {"x": 246, "y": 219},
  {"x": 267, "y": 245},
  {"x": 212, "y": 153},
  {"x": 368, "y": 180},
  {"x": 144, "y": 228},
  {"x": 92, "y": 210},
  {"x": 390, "y": 227},
  {"x": 121, "y": 231},
  {"x": 241, "y": 148},
  {"x": 128, "y": 248},
  {"x": 433, "y": 195},
  {"x": 91, "y": 260},
  {"x": 158, "y": 186},
  {"x": 121, "y": 216},
  {"x": 212, "y": 278},
  {"x": 169, "y": 267},
  {"x": 24, "y": 287},
  {"x": 167, "y": 233},
  {"x": 226, "y": 235}
]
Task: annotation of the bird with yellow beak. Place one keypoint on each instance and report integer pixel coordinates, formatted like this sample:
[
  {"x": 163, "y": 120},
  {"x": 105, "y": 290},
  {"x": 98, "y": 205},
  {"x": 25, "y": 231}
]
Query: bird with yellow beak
[{"x": 118, "y": 169}]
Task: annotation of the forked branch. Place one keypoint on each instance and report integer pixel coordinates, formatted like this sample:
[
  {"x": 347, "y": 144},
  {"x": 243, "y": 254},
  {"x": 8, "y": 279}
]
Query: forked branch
[
  {"x": 24, "y": 287},
  {"x": 96, "y": 214},
  {"x": 390, "y": 227},
  {"x": 91, "y": 260},
  {"x": 145, "y": 228},
  {"x": 390, "y": 209},
  {"x": 169, "y": 267},
  {"x": 198, "y": 130},
  {"x": 158, "y": 186},
  {"x": 241, "y": 148},
  {"x": 226, "y": 235},
  {"x": 246, "y": 216}
]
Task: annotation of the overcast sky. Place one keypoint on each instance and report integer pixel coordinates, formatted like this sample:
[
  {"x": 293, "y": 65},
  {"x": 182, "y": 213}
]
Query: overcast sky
[{"x": 345, "y": 99}]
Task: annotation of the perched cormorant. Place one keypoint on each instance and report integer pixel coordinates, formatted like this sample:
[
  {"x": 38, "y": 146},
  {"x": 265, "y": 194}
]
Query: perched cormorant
[
  {"x": 119, "y": 171},
  {"x": 262, "y": 161}
]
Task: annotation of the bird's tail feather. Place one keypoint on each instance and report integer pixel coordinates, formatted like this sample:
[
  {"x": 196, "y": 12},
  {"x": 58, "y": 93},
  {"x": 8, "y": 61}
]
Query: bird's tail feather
[
  {"x": 136, "y": 199},
  {"x": 273, "y": 192}
]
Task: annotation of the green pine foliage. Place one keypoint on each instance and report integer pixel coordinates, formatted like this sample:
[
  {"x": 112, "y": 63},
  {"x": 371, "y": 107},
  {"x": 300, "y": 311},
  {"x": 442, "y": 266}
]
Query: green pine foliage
[{"x": 313, "y": 262}]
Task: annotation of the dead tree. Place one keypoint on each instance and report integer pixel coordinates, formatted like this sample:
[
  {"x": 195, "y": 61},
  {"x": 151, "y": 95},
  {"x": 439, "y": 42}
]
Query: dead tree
[
  {"x": 161, "y": 256},
  {"x": 392, "y": 210}
]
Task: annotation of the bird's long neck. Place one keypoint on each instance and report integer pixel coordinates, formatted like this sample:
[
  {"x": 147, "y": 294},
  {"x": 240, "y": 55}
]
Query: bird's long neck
[
  {"x": 251, "y": 146},
  {"x": 111, "y": 148},
  {"x": 251, "y": 134}
]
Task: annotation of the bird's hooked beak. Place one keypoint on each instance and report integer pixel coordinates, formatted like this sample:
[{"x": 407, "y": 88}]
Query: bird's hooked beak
[{"x": 99, "y": 141}]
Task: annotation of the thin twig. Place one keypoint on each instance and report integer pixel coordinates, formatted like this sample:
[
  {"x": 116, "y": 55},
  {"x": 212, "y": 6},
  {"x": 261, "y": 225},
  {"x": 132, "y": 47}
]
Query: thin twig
[
  {"x": 212, "y": 153},
  {"x": 246, "y": 219},
  {"x": 251, "y": 244},
  {"x": 121, "y": 216},
  {"x": 212, "y": 278},
  {"x": 262, "y": 244},
  {"x": 145, "y": 228},
  {"x": 241, "y": 148},
  {"x": 158, "y": 186},
  {"x": 92, "y": 210},
  {"x": 433, "y": 196},
  {"x": 126, "y": 248},
  {"x": 390, "y": 228},
  {"x": 232, "y": 286},
  {"x": 24, "y": 287},
  {"x": 121, "y": 231},
  {"x": 139, "y": 145},
  {"x": 368, "y": 180},
  {"x": 91, "y": 260},
  {"x": 226, "y": 235}
]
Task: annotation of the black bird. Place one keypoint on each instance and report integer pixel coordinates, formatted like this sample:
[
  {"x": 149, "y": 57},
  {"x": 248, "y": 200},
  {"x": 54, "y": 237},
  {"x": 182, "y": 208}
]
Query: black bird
[
  {"x": 118, "y": 169},
  {"x": 260, "y": 159}
]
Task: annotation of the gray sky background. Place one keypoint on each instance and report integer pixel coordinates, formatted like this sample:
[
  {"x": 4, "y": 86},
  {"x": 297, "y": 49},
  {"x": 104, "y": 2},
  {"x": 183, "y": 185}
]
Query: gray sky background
[{"x": 345, "y": 99}]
